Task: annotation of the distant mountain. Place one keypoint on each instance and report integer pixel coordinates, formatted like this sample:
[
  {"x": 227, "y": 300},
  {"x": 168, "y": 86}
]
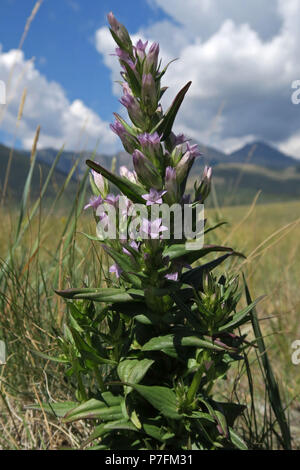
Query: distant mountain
[
  {"x": 262, "y": 154},
  {"x": 20, "y": 164},
  {"x": 257, "y": 153},
  {"x": 237, "y": 176}
]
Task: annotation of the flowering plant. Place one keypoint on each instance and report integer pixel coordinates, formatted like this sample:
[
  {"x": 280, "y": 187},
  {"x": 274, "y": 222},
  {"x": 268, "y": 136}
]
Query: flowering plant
[{"x": 146, "y": 351}]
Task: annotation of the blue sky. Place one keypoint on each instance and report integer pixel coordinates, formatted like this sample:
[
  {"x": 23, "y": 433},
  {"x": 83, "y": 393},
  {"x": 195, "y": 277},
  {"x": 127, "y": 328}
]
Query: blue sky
[
  {"x": 61, "y": 38},
  {"x": 242, "y": 62}
]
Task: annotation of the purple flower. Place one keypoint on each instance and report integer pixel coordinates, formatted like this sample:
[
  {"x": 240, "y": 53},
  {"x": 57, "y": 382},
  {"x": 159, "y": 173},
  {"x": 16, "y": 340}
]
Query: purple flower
[
  {"x": 120, "y": 31},
  {"x": 94, "y": 202},
  {"x": 180, "y": 139},
  {"x": 134, "y": 245},
  {"x": 115, "y": 269},
  {"x": 153, "y": 229},
  {"x": 193, "y": 150},
  {"x": 172, "y": 276},
  {"x": 204, "y": 187},
  {"x": 151, "y": 145},
  {"x": 101, "y": 183},
  {"x": 122, "y": 55},
  {"x": 112, "y": 199},
  {"x": 149, "y": 93},
  {"x": 171, "y": 185},
  {"x": 184, "y": 166},
  {"x": 154, "y": 197},
  {"x": 130, "y": 175},
  {"x": 127, "y": 140},
  {"x": 133, "y": 108},
  {"x": 152, "y": 58},
  {"x": 150, "y": 140},
  {"x": 140, "y": 49}
]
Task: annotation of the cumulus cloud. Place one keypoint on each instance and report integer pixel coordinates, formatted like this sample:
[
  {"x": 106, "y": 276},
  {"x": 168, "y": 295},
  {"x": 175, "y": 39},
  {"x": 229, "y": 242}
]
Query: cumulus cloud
[
  {"x": 241, "y": 58},
  {"x": 47, "y": 105}
]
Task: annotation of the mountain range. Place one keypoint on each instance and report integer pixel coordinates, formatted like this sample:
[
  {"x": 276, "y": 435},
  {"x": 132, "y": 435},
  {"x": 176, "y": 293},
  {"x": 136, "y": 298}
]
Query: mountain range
[{"x": 237, "y": 176}]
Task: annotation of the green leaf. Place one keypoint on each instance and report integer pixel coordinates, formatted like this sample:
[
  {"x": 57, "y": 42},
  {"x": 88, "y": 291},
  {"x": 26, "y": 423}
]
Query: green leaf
[
  {"x": 93, "y": 409},
  {"x": 238, "y": 318},
  {"x": 102, "y": 294},
  {"x": 169, "y": 344},
  {"x": 165, "y": 125},
  {"x": 48, "y": 358},
  {"x": 129, "y": 189},
  {"x": 194, "y": 276},
  {"x": 133, "y": 370},
  {"x": 56, "y": 409},
  {"x": 88, "y": 352},
  {"x": 237, "y": 440},
  {"x": 231, "y": 411},
  {"x": 161, "y": 398},
  {"x": 190, "y": 256},
  {"x": 110, "y": 399}
]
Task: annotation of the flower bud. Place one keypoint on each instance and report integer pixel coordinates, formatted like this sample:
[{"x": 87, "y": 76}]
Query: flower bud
[
  {"x": 171, "y": 186},
  {"x": 204, "y": 187},
  {"x": 133, "y": 108},
  {"x": 184, "y": 166},
  {"x": 101, "y": 183},
  {"x": 128, "y": 140},
  {"x": 146, "y": 171},
  {"x": 151, "y": 60},
  {"x": 120, "y": 33},
  {"x": 149, "y": 94},
  {"x": 140, "y": 49},
  {"x": 151, "y": 146}
]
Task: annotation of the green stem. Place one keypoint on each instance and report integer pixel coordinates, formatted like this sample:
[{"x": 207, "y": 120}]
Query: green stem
[{"x": 194, "y": 385}]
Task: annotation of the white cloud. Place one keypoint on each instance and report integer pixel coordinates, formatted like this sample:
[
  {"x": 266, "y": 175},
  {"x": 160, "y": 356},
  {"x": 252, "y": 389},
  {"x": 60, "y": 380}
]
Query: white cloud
[
  {"x": 243, "y": 55},
  {"x": 47, "y": 105}
]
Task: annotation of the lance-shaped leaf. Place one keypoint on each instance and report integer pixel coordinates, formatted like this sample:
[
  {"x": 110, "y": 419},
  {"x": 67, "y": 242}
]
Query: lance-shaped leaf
[
  {"x": 161, "y": 398},
  {"x": 165, "y": 125},
  {"x": 103, "y": 294},
  {"x": 87, "y": 351},
  {"x": 190, "y": 256},
  {"x": 94, "y": 409},
  {"x": 236, "y": 440},
  {"x": 133, "y": 370},
  {"x": 55, "y": 409},
  {"x": 129, "y": 189},
  {"x": 194, "y": 276},
  {"x": 170, "y": 344},
  {"x": 238, "y": 318},
  {"x": 105, "y": 428}
]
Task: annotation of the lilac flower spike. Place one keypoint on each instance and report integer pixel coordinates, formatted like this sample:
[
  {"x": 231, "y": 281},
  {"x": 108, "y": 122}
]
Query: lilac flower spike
[
  {"x": 154, "y": 197},
  {"x": 94, "y": 202},
  {"x": 115, "y": 269}
]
